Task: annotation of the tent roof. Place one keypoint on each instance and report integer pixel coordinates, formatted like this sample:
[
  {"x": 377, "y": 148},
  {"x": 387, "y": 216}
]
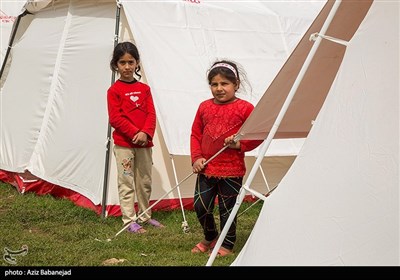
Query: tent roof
[{"x": 315, "y": 84}]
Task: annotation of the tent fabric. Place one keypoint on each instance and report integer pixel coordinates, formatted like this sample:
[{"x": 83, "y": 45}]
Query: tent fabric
[
  {"x": 62, "y": 116},
  {"x": 315, "y": 84},
  {"x": 60, "y": 133},
  {"x": 339, "y": 203},
  {"x": 259, "y": 36}
]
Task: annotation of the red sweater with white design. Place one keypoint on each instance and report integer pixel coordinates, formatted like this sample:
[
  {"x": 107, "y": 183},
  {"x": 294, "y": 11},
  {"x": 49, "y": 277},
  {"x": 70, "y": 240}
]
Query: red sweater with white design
[
  {"x": 130, "y": 110},
  {"x": 211, "y": 125}
]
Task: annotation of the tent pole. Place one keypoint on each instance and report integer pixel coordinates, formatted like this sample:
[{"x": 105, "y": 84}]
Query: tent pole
[
  {"x": 185, "y": 225},
  {"x": 271, "y": 134},
  {"x": 108, "y": 145},
  {"x": 14, "y": 32},
  {"x": 265, "y": 178},
  {"x": 257, "y": 194}
]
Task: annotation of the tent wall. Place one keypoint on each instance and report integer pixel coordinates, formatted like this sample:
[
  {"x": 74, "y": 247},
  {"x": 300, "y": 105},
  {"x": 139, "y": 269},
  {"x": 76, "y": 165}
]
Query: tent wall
[
  {"x": 339, "y": 202},
  {"x": 61, "y": 104}
]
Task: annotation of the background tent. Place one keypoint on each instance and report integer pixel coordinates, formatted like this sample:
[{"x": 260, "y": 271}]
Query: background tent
[
  {"x": 339, "y": 202},
  {"x": 60, "y": 133},
  {"x": 8, "y": 14},
  {"x": 9, "y": 20}
]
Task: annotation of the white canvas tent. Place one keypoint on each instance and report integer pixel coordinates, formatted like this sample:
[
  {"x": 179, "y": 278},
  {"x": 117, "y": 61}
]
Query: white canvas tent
[
  {"x": 339, "y": 202},
  {"x": 53, "y": 106}
]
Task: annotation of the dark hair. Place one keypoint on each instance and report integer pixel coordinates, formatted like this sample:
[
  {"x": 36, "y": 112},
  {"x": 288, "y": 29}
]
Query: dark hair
[
  {"x": 121, "y": 49},
  {"x": 224, "y": 71}
]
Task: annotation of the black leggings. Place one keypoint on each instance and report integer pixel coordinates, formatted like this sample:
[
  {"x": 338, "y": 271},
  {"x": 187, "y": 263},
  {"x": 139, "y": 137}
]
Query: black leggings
[{"x": 206, "y": 190}]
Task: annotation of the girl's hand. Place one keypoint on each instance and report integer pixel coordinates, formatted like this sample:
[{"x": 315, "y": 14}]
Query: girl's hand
[
  {"x": 230, "y": 141},
  {"x": 198, "y": 165},
  {"x": 140, "y": 138}
]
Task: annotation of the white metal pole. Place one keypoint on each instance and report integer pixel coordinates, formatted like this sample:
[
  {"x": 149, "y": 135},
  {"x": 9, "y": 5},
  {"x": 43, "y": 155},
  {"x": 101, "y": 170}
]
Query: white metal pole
[{"x": 185, "y": 225}]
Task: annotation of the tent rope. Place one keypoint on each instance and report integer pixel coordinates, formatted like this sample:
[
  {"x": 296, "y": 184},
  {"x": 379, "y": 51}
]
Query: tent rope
[{"x": 314, "y": 36}]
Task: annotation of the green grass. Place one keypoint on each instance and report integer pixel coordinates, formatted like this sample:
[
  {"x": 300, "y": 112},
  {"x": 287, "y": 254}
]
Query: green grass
[{"x": 59, "y": 233}]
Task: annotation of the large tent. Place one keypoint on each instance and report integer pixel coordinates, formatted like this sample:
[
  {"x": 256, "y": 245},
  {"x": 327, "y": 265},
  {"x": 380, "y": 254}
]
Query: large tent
[
  {"x": 339, "y": 202},
  {"x": 53, "y": 107}
]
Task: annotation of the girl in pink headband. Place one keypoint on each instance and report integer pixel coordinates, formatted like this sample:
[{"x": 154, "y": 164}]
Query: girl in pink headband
[{"x": 217, "y": 121}]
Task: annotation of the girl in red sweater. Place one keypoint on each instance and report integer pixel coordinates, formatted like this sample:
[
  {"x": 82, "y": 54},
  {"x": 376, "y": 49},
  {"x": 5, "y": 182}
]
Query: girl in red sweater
[
  {"x": 216, "y": 122},
  {"x": 132, "y": 115}
]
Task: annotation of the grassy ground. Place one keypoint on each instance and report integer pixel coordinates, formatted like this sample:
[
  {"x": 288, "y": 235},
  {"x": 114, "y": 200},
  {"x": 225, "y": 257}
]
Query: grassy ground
[{"x": 58, "y": 233}]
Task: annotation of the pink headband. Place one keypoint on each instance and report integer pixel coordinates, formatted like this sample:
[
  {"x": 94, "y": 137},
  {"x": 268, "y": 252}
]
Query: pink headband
[{"x": 225, "y": 65}]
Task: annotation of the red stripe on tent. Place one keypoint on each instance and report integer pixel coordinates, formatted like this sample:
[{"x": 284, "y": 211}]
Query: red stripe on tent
[{"x": 25, "y": 182}]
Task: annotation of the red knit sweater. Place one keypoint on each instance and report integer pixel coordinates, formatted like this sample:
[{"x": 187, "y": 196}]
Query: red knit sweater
[
  {"x": 130, "y": 110},
  {"x": 212, "y": 124}
]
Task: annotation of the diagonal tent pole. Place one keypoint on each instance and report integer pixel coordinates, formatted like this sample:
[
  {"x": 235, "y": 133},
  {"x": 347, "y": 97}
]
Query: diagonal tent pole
[
  {"x": 172, "y": 189},
  {"x": 271, "y": 135},
  {"x": 151, "y": 206},
  {"x": 254, "y": 193},
  {"x": 108, "y": 144}
]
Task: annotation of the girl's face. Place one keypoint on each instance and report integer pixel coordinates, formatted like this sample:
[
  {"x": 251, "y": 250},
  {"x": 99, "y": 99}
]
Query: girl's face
[
  {"x": 222, "y": 89},
  {"x": 126, "y": 67}
]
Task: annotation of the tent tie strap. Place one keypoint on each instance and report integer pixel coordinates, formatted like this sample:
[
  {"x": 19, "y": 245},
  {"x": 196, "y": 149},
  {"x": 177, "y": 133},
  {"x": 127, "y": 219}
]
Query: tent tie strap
[{"x": 314, "y": 36}]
